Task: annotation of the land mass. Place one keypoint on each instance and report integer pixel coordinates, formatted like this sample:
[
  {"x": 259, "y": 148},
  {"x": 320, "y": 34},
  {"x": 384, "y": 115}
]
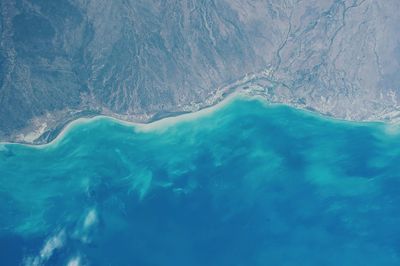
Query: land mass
[{"x": 142, "y": 60}]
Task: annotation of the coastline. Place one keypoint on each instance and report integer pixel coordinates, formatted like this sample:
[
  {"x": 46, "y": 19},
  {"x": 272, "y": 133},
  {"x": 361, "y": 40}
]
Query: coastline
[
  {"x": 252, "y": 85},
  {"x": 142, "y": 127},
  {"x": 165, "y": 121}
]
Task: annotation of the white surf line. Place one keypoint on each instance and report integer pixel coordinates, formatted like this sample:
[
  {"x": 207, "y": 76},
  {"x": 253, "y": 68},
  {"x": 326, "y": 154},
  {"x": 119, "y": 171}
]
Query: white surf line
[
  {"x": 171, "y": 120},
  {"x": 141, "y": 127}
]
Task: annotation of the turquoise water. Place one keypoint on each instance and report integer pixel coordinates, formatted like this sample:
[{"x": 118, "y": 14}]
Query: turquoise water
[{"x": 248, "y": 184}]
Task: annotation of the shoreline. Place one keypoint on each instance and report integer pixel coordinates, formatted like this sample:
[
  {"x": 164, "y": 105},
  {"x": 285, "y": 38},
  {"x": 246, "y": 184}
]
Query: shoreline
[
  {"x": 173, "y": 118},
  {"x": 142, "y": 127}
]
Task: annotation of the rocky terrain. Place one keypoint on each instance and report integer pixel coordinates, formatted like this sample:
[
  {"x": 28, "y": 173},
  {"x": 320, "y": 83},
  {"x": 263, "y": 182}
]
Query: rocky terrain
[{"x": 140, "y": 60}]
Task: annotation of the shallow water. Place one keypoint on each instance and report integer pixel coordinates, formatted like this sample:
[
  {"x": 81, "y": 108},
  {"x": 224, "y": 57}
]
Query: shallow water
[{"x": 248, "y": 184}]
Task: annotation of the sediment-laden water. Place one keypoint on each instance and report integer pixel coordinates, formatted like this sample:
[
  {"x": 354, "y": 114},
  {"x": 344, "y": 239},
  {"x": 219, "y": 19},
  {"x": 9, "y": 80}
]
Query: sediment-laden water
[{"x": 244, "y": 184}]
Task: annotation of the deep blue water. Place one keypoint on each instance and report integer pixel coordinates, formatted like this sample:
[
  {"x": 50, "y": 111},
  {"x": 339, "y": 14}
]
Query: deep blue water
[{"x": 248, "y": 184}]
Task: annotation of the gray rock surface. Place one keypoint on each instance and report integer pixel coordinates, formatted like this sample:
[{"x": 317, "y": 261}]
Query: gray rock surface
[{"x": 144, "y": 59}]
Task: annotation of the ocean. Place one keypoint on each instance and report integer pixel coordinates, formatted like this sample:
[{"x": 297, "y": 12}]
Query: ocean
[{"x": 243, "y": 183}]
